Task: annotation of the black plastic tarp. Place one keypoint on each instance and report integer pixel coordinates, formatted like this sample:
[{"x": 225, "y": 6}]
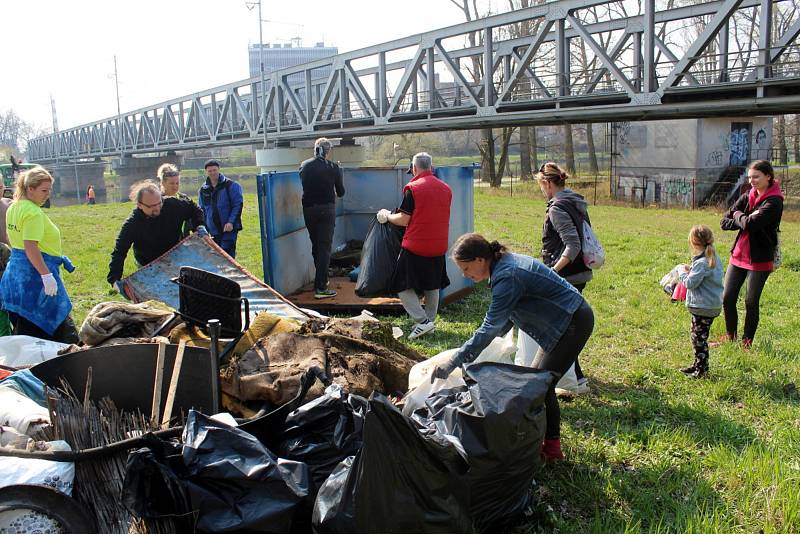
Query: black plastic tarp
[{"x": 378, "y": 259}]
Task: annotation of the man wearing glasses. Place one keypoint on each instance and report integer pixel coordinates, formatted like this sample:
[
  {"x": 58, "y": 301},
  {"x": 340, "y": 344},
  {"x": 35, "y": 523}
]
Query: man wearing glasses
[{"x": 153, "y": 227}]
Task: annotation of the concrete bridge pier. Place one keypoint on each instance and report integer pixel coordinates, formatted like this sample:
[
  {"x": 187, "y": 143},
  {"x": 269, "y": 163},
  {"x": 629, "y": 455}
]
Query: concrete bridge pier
[
  {"x": 134, "y": 169},
  {"x": 72, "y": 179},
  {"x": 288, "y": 158}
]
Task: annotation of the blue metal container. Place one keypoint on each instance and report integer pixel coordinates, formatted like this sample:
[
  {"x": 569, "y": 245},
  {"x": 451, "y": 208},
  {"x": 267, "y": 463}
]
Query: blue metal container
[{"x": 286, "y": 248}]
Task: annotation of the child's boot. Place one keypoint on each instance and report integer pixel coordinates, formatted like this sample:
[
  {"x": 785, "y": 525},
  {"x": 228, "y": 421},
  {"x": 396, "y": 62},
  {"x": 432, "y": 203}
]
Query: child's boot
[
  {"x": 700, "y": 366},
  {"x": 692, "y": 368}
]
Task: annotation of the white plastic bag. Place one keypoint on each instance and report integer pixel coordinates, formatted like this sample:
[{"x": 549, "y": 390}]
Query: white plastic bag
[
  {"x": 20, "y": 412},
  {"x": 57, "y": 475},
  {"x": 526, "y": 351},
  {"x": 500, "y": 350},
  {"x": 26, "y": 351}
]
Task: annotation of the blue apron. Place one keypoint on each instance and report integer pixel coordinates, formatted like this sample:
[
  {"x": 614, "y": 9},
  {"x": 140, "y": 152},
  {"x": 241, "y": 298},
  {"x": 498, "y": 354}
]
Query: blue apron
[{"x": 22, "y": 291}]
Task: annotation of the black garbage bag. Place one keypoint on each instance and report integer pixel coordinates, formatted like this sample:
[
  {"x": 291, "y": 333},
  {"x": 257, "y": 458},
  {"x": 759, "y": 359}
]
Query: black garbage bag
[
  {"x": 152, "y": 487},
  {"x": 378, "y": 259},
  {"x": 498, "y": 420},
  {"x": 324, "y": 432},
  {"x": 235, "y": 483},
  {"x": 399, "y": 482}
]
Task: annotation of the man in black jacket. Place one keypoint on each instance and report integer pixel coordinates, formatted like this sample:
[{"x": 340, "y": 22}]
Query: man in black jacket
[
  {"x": 321, "y": 178},
  {"x": 153, "y": 227}
]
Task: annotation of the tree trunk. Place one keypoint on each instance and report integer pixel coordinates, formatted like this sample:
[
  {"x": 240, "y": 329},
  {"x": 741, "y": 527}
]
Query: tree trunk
[
  {"x": 525, "y": 153},
  {"x": 593, "y": 170},
  {"x": 487, "y": 156},
  {"x": 569, "y": 150},
  {"x": 797, "y": 138},
  {"x": 783, "y": 152},
  {"x": 501, "y": 167},
  {"x": 534, "y": 149}
]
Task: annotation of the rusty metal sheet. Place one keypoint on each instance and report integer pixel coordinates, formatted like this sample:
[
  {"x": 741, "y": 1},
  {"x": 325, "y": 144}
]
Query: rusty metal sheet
[{"x": 153, "y": 281}]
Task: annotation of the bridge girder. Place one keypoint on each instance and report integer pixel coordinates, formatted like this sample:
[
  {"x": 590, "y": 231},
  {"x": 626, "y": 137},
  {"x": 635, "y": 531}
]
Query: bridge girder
[{"x": 572, "y": 61}]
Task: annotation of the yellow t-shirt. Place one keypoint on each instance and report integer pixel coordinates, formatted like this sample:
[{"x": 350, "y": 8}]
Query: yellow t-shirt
[{"x": 26, "y": 221}]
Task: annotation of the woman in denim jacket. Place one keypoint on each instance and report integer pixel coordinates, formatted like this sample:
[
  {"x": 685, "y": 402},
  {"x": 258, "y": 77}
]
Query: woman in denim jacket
[{"x": 530, "y": 295}]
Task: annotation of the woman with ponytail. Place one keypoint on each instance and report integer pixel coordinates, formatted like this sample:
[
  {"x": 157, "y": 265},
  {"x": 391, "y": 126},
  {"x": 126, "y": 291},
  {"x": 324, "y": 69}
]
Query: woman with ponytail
[
  {"x": 703, "y": 281},
  {"x": 528, "y": 294}
]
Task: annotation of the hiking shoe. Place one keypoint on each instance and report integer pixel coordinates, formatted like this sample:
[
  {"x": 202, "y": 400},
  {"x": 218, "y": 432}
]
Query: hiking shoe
[
  {"x": 581, "y": 388},
  {"x": 420, "y": 329},
  {"x": 324, "y": 293},
  {"x": 551, "y": 450},
  {"x": 725, "y": 338}
]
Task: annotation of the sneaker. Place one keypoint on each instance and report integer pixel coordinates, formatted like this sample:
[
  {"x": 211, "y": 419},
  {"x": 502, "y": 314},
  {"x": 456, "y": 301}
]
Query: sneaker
[
  {"x": 551, "y": 450},
  {"x": 420, "y": 329},
  {"x": 747, "y": 343},
  {"x": 581, "y": 388},
  {"x": 725, "y": 338},
  {"x": 324, "y": 293}
]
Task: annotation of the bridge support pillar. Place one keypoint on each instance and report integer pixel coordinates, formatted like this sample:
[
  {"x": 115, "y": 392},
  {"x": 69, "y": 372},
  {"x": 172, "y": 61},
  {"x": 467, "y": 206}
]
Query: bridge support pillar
[
  {"x": 289, "y": 158},
  {"x": 131, "y": 170},
  {"x": 72, "y": 180}
]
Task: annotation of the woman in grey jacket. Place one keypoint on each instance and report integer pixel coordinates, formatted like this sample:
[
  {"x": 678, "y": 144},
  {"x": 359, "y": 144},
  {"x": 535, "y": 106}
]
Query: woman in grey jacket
[{"x": 561, "y": 241}]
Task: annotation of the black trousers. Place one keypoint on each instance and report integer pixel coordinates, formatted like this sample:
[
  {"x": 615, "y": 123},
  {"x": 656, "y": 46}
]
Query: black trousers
[
  {"x": 65, "y": 333},
  {"x": 320, "y": 221},
  {"x": 578, "y": 371},
  {"x": 734, "y": 279},
  {"x": 561, "y": 358}
]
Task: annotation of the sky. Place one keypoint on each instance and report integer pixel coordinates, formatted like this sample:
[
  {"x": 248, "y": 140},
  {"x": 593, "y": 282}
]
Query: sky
[{"x": 170, "y": 48}]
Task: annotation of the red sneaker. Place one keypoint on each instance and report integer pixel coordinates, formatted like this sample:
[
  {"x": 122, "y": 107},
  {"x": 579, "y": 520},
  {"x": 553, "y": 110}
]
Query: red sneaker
[
  {"x": 551, "y": 450},
  {"x": 747, "y": 343},
  {"x": 725, "y": 338}
]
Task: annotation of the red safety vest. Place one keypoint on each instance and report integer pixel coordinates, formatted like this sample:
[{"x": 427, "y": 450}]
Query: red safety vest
[{"x": 426, "y": 234}]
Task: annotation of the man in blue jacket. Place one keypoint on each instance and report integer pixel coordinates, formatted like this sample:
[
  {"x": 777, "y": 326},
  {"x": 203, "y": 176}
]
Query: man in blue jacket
[{"x": 222, "y": 201}]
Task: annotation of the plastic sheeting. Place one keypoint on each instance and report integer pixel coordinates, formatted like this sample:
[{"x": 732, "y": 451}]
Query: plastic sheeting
[
  {"x": 378, "y": 259},
  {"x": 153, "y": 280}
]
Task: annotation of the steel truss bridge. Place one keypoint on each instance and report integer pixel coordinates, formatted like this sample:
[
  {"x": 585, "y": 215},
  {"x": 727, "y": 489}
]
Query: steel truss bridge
[{"x": 568, "y": 61}]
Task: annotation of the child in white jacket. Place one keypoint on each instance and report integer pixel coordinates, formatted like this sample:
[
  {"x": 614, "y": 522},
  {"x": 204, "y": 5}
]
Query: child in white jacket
[{"x": 703, "y": 281}]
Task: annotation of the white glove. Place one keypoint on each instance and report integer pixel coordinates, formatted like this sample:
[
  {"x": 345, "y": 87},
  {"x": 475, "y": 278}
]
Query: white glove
[
  {"x": 383, "y": 216},
  {"x": 49, "y": 283}
]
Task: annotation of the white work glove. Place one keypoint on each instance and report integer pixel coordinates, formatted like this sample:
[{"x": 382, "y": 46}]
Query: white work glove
[
  {"x": 49, "y": 283},
  {"x": 383, "y": 216}
]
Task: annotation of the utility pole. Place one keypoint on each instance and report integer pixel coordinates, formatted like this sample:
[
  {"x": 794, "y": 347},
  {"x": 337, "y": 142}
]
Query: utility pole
[
  {"x": 119, "y": 111},
  {"x": 263, "y": 76}
]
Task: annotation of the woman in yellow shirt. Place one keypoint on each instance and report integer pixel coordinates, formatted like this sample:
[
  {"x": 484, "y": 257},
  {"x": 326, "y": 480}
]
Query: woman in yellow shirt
[{"x": 31, "y": 290}]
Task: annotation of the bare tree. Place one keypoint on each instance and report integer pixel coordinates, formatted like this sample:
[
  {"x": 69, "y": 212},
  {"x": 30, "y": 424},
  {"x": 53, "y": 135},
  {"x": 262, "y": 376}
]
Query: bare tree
[
  {"x": 15, "y": 132},
  {"x": 796, "y": 138}
]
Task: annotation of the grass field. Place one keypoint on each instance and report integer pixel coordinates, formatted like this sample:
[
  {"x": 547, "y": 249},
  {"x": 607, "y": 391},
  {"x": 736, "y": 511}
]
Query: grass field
[{"x": 648, "y": 450}]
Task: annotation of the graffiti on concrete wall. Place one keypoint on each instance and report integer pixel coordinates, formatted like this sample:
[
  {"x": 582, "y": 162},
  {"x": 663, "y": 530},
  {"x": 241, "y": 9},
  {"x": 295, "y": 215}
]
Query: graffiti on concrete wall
[
  {"x": 667, "y": 190},
  {"x": 714, "y": 158},
  {"x": 739, "y": 143}
]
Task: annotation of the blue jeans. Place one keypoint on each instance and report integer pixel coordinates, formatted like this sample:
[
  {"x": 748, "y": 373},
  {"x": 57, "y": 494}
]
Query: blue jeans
[{"x": 227, "y": 241}]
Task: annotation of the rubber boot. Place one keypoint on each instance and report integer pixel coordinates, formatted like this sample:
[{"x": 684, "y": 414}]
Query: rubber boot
[
  {"x": 551, "y": 450},
  {"x": 701, "y": 366},
  {"x": 692, "y": 368}
]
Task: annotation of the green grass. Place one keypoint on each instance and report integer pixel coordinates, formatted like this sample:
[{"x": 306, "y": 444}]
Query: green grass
[{"x": 649, "y": 450}]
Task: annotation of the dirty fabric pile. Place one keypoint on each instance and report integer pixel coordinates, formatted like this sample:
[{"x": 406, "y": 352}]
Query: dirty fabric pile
[
  {"x": 121, "y": 320},
  {"x": 359, "y": 355}
]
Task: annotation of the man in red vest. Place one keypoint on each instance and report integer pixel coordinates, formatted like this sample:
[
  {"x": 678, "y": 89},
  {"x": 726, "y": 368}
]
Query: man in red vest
[{"x": 425, "y": 212}]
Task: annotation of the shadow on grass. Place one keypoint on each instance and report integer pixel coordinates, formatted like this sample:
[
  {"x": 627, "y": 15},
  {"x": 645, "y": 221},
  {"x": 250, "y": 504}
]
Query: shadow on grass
[{"x": 636, "y": 461}]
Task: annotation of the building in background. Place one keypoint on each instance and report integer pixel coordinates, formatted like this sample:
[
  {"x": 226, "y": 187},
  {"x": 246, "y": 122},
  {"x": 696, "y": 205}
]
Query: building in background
[{"x": 279, "y": 56}]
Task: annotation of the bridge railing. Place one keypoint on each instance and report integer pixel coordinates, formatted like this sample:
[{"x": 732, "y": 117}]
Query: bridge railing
[{"x": 565, "y": 61}]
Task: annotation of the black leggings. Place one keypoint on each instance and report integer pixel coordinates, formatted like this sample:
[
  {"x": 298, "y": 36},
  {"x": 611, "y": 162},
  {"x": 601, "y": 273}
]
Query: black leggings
[
  {"x": 561, "y": 358},
  {"x": 578, "y": 370},
  {"x": 734, "y": 279},
  {"x": 65, "y": 333}
]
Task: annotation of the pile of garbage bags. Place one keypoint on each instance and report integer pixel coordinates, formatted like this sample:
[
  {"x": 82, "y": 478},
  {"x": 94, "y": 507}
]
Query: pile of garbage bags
[{"x": 343, "y": 463}]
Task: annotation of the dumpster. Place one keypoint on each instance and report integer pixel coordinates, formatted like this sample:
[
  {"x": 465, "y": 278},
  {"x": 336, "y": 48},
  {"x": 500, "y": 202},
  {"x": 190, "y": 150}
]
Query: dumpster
[{"x": 286, "y": 248}]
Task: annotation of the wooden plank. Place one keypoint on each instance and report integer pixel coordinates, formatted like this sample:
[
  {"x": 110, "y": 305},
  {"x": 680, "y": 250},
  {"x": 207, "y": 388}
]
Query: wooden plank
[
  {"x": 157, "y": 383},
  {"x": 173, "y": 383}
]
